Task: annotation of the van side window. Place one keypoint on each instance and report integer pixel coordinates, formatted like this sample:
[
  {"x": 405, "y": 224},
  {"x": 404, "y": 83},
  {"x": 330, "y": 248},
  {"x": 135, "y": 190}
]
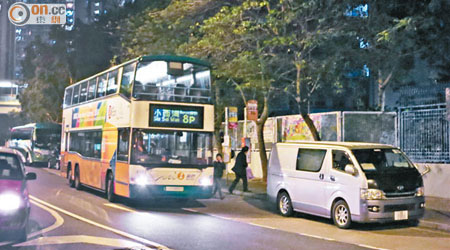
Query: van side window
[
  {"x": 340, "y": 160},
  {"x": 310, "y": 159}
]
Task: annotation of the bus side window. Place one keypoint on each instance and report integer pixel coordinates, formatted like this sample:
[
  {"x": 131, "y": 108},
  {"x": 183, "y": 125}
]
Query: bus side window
[
  {"x": 83, "y": 92},
  {"x": 112, "y": 83},
  {"x": 76, "y": 94},
  {"x": 68, "y": 97},
  {"x": 123, "y": 144},
  {"x": 91, "y": 89},
  {"x": 97, "y": 144},
  {"x": 127, "y": 79},
  {"x": 101, "y": 90}
]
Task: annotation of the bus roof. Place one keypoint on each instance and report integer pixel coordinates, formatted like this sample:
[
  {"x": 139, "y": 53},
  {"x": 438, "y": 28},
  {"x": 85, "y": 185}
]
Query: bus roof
[
  {"x": 174, "y": 58},
  {"x": 149, "y": 58},
  {"x": 38, "y": 125}
]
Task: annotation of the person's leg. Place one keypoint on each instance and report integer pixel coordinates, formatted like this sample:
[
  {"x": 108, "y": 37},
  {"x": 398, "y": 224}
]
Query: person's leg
[
  {"x": 215, "y": 187},
  {"x": 219, "y": 188},
  {"x": 244, "y": 182},
  {"x": 233, "y": 185}
]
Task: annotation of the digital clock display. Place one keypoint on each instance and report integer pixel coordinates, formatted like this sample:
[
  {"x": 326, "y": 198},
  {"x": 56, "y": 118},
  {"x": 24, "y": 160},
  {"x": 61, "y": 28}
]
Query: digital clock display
[{"x": 176, "y": 116}]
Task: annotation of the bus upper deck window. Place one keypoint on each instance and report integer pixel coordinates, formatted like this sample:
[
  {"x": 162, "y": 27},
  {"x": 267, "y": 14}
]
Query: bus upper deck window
[
  {"x": 91, "y": 89},
  {"x": 68, "y": 97},
  {"x": 127, "y": 79},
  {"x": 112, "y": 83},
  {"x": 101, "y": 89},
  {"x": 83, "y": 92},
  {"x": 76, "y": 94}
]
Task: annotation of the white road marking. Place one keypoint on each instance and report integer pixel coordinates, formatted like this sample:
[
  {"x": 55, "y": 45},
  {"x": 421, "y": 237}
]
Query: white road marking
[
  {"x": 120, "y": 208},
  {"x": 93, "y": 223},
  {"x": 59, "y": 220},
  {"x": 83, "y": 239},
  {"x": 273, "y": 228}
]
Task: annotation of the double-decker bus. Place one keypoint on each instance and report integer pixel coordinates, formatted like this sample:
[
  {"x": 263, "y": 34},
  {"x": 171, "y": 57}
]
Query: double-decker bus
[
  {"x": 36, "y": 141},
  {"x": 141, "y": 129}
]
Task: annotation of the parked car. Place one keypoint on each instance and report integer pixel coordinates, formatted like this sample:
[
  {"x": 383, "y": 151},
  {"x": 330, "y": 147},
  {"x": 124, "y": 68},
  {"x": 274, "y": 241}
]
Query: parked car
[
  {"x": 14, "y": 200},
  {"x": 361, "y": 182}
]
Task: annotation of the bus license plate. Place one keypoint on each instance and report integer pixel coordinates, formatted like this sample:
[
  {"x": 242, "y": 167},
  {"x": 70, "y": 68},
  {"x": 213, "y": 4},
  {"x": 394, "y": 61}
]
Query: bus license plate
[
  {"x": 401, "y": 215},
  {"x": 175, "y": 189}
]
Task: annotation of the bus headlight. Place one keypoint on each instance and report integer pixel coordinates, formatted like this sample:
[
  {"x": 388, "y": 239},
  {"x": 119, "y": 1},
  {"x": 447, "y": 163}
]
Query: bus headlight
[
  {"x": 142, "y": 180},
  {"x": 372, "y": 194},
  {"x": 206, "y": 181},
  {"x": 420, "y": 191},
  {"x": 10, "y": 202}
]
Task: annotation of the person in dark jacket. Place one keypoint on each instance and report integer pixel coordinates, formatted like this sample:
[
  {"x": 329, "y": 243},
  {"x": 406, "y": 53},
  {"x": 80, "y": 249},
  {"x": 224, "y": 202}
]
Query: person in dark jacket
[
  {"x": 219, "y": 166},
  {"x": 240, "y": 169}
]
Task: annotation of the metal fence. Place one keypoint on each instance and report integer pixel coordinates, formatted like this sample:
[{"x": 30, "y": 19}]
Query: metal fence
[{"x": 424, "y": 133}]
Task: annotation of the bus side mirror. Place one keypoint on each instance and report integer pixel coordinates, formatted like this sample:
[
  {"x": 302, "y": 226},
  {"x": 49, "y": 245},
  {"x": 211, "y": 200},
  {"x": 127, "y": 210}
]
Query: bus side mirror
[{"x": 350, "y": 169}]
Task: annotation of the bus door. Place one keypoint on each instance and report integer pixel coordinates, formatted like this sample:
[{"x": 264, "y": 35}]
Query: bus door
[{"x": 109, "y": 154}]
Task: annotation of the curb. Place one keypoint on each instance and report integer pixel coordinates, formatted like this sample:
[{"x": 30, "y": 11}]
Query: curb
[{"x": 434, "y": 225}]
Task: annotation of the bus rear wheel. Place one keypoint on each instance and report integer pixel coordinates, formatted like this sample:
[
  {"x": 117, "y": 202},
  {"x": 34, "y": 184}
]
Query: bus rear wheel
[{"x": 110, "y": 188}]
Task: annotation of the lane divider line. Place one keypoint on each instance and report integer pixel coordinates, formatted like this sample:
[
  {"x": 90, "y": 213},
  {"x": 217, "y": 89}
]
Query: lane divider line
[
  {"x": 59, "y": 220},
  {"x": 120, "y": 207},
  {"x": 93, "y": 223}
]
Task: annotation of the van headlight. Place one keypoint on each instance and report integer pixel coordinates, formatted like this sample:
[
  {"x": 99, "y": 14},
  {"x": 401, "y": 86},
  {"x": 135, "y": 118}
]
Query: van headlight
[
  {"x": 10, "y": 202},
  {"x": 372, "y": 194},
  {"x": 420, "y": 191},
  {"x": 206, "y": 181}
]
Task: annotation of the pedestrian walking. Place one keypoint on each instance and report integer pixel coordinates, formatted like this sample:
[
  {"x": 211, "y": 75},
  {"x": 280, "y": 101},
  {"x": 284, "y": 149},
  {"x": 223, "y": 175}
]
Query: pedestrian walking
[
  {"x": 219, "y": 166},
  {"x": 240, "y": 169}
]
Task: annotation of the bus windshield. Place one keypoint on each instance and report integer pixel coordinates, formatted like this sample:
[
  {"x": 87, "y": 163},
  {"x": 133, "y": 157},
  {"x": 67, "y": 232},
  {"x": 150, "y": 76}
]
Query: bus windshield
[
  {"x": 379, "y": 160},
  {"x": 45, "y": 138},
  {"x": 191, "y": 83},
  {"x": 171, "y": 148}
]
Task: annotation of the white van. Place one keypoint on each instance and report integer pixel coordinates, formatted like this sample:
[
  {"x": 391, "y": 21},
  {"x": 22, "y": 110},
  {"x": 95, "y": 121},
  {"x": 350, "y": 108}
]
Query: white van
[{"x": 345, "y": 181}]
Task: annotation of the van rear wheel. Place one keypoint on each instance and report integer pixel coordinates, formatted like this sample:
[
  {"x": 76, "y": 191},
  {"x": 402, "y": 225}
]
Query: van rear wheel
[
  {"x": 284, "y": 204},
  {"x": 341, "y": 215}
]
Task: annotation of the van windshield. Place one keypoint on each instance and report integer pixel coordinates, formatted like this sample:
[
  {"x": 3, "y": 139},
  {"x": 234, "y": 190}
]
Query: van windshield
[{"x": 381, "y": 159}]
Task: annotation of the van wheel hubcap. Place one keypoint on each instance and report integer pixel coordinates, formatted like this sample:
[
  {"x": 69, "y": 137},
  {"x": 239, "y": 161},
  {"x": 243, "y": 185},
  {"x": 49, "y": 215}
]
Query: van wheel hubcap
[
  {"x": 341, "y": 215},
  {"x": 284, "y": 204}
]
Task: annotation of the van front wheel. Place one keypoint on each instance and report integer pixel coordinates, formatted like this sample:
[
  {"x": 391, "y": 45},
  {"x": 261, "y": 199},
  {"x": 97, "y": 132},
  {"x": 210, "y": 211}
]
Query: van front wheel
[
  {"x": 341, "y": 215},
  {"x": 284, "y": 204}
]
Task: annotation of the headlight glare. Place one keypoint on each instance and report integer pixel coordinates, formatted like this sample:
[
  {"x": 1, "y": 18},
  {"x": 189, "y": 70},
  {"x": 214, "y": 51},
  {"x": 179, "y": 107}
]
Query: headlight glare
[
  {"x": 10, "y": 202},
  {"x": 142, "y": 180},
  {"x": 206, "y": 181}
]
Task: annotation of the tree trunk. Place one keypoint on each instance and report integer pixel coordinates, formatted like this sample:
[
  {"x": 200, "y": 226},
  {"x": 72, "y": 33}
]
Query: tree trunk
[
  {"x": 260, "y": 133},
  {"x": 312, "y": 128},
  {"x": 382, "y": 98},
  {"x": 218, "y": 113}
]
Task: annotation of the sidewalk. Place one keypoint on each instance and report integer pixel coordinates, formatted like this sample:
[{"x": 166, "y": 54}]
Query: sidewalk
[{"x": 437, "y": 213}]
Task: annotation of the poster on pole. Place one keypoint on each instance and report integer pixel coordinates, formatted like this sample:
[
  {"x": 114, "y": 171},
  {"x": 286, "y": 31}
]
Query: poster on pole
[
  {"x": 232, "y": 117},
  {"x": 252, "y": 110}
]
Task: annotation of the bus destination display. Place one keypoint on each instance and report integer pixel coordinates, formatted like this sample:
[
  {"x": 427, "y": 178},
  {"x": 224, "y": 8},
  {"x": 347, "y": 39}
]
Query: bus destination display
[{"x": 176, "y": 116}]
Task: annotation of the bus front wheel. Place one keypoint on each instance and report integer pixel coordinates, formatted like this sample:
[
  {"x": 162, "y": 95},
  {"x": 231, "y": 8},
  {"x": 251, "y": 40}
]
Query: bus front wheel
[{"x": 110, "y": 188}]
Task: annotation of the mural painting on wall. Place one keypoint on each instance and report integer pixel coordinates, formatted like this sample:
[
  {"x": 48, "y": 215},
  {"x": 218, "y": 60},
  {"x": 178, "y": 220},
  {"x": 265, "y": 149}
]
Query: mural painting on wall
[{"x": 295, "y": 128}]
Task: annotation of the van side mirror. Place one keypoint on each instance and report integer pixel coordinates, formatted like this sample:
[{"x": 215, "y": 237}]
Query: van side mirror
[
  {"x": 30, "y": 176},
  {"x": 350, "y": 169},
  {"x": 427, "y": 170}
]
